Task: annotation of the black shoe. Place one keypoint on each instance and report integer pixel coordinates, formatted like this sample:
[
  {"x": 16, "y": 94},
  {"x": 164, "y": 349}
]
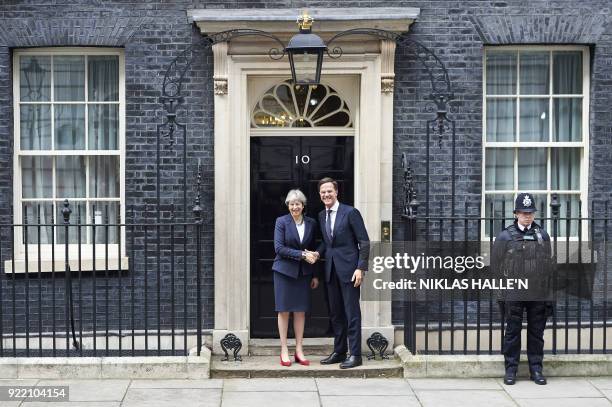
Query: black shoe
[
  {"x": 538, "y": 378},
  {"x": 351, "y": 361},
  {"x": 510, "y": 377},
  {"x": 333, "y": 358}
]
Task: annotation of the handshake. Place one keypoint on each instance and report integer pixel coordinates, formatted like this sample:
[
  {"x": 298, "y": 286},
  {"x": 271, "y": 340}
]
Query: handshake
[{"x": 310, "y": 257}]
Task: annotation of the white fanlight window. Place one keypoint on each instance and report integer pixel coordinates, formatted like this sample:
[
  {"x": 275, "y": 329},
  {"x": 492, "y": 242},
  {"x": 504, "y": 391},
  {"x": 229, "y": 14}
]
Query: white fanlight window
[
  {"x": 536, "y": 130},
  {"x": 285, "y": 105},
  {"x": 69, "y": 143}
]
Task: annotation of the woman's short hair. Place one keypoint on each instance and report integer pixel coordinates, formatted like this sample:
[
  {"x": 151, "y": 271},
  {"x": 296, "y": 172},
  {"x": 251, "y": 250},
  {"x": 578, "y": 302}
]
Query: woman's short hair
[{"x": 295, "y": 195}]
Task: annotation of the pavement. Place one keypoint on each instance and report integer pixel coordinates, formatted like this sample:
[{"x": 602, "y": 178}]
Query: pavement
[{"x": 327, "y": 392}]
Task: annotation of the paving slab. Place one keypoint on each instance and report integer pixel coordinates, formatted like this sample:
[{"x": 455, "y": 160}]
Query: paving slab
[
  {"x": 454, "y": 384},
  {"x": 561, "y": 387},
  {"x": 462, "y": 398},
  {"x": 18, "y": 382},
  {"x": 280, "y": 385},
  {"x": 74, "y": 404},
  {"x": 564, "y": 402},
  {"x": 172, "y": 398},
  {"x": 607, "y": 393},
  {"x": 363, "y": 387},
  {"x": 176, "y": 384},
  {"x": 270, "y": 399},
  {"x": 92, "y": 390},
  {"x": 369, "y": 401},
  {"x": 601, "y": 382}
]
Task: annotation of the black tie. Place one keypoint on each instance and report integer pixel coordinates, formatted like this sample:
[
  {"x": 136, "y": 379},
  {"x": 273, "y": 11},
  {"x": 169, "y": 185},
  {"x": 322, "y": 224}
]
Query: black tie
[{"x": 328, "y": 227}]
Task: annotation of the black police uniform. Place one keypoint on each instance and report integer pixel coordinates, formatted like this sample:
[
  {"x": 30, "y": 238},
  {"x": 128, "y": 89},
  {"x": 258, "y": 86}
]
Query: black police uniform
[{"x": 524, "y": 253}]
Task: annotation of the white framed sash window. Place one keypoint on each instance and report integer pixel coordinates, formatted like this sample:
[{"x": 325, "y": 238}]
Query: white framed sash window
[
  {"x": 69, "y": 126},
  {"x": 535, "y": 125}
]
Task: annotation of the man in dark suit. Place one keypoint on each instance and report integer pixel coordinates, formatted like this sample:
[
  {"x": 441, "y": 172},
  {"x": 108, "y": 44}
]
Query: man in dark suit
[{"x": 346, "y": 248}]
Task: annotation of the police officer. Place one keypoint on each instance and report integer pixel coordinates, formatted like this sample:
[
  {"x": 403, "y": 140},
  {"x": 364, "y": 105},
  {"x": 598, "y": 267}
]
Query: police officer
[{"x": 523, "y": 250}]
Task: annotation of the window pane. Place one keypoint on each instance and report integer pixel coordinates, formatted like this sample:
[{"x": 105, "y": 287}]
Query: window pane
[
  {"x": 565, "y": 167},
  {"x": 316, "y": 96},
  {"x": 103, "y": 127},
  {"x": 534, "y": 120},
  {"x": 501, "y": 119},
  {"x": 69, "y": 127},
  {"x": 104, "y": 177},
  {"x": 500, "y": 208},
  {"x": 567, "y": 72},
  {"x": 568, "y": 214},
  {"x": 283, "y": 93},
  {"x": 35, "y": 128},
  {"x": 499, "y": 169},
  {"x": 70, "y": 177},
  {"x": 35, "y": 78},
  {"x": 332, "y": 104},
  {"x": 36, "y": 177},
  {"x": 38, "y": 213},
  {"x": 69, "y": 78},
  {"x": 567, "y": 119},
  {"x": 104, "y": 213},
  {"x": 271, "y": 105},
  {"x": 103, "y": 78},
  {"x": 531, "y": 168},
  {"x": 78, "y": 208},
  {"x": 501, "y": 73},
  {"x": 535, "y": 73}
]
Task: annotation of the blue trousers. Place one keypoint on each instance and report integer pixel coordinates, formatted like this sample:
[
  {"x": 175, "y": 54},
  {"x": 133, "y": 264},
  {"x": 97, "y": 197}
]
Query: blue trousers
[{"x": 345, "y": 315}]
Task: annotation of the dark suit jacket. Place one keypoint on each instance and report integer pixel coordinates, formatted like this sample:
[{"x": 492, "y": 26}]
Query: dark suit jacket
[
  {"x": 288, "y": 248},
  {"x": 349, "y": 248}
]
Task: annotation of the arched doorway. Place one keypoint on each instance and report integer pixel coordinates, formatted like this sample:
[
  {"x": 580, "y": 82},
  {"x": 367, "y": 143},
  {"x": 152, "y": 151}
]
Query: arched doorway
[{"x": 298, "y": 135}]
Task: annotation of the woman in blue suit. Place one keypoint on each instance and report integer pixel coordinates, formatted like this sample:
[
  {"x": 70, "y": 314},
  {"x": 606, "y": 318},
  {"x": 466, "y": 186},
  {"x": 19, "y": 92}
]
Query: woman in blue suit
[{"x": 294, "y": 272}]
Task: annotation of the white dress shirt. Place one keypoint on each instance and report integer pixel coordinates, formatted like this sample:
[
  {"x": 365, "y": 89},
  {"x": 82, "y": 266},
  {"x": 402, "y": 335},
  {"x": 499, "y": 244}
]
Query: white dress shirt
[
  {"x": 523, "y": 228},
  {"x": 334, "y": 212},
  {"x": 301, "y": 228}
]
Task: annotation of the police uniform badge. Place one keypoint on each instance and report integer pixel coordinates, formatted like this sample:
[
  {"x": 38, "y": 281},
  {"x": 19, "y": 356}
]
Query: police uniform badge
[{"x": 527, "y": 201}]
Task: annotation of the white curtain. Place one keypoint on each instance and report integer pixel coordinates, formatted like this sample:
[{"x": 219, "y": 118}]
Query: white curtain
[
  {"x": 531, "y": 168},
  {"x": 499, "y": 169},
  {"x": 37, "y": 183}
]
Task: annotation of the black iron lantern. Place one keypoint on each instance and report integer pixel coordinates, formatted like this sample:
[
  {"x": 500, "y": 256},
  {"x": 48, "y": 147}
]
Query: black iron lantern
[{"x": 305, "y": 52}]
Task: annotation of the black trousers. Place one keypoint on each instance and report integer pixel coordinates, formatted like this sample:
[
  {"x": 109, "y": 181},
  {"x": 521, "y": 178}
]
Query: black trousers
[
  {"x": 536, "y": 322},
  {"x": 345, "y": 315}
]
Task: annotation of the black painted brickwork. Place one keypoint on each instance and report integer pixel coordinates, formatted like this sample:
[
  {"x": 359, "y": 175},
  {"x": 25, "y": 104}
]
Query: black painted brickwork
[{"x": 153, "y": 32}]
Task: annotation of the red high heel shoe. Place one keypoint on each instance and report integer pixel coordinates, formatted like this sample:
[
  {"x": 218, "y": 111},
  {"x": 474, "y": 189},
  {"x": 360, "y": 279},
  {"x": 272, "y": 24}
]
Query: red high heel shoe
[
  {"x": 283, "y": 363},
  {"x": 303, "y": 362}
]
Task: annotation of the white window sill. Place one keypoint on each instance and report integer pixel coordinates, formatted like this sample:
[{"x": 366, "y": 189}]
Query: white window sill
[{"x": 48, "y": 266}]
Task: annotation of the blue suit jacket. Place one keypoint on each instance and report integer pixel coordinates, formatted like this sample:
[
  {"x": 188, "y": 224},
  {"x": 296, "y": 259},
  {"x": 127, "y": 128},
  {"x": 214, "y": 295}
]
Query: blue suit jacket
[
  {"x": 288, "y": 248},
  {"x": 349, "y": 249}
]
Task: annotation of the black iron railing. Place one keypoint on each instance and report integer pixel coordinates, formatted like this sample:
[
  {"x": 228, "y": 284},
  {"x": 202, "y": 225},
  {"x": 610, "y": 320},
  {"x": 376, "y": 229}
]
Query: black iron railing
[
  {"x": 118, "y": 288},
  {"x": 581, "y": 265}
]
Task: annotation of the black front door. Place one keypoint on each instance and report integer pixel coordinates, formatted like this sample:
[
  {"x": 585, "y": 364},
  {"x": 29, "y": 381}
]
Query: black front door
[{"x": 279, "y": 164}]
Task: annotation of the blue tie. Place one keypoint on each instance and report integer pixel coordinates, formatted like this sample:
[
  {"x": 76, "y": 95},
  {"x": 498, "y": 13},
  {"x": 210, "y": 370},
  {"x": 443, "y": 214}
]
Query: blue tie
[{"x": 328, "y": 227}]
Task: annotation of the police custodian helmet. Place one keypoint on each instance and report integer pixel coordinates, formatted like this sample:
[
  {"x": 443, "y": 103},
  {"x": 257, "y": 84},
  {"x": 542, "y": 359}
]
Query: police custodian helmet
[{"x": 524, "y": 203}]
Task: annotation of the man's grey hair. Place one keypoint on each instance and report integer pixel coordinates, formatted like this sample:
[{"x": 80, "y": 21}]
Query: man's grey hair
[{"x": 295, "y": 195}]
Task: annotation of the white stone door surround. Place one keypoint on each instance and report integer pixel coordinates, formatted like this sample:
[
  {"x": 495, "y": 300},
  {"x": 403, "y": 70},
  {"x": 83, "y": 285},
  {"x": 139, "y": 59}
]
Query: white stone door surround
[{"x": 234, "y": 63}]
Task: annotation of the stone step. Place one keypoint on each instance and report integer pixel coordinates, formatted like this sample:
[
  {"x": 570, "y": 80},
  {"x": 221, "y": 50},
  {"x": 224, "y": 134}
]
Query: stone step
[
  {"x": 269, "y": 366},
  {"x": 271, "y": 347}
]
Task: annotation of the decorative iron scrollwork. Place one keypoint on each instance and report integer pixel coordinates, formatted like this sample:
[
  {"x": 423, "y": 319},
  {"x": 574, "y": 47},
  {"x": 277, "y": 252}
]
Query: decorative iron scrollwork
[
  {"x": 231, "y": 341},
  {"x": 379, "y": 343},
  {"x": 175, "y": 78}
]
